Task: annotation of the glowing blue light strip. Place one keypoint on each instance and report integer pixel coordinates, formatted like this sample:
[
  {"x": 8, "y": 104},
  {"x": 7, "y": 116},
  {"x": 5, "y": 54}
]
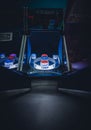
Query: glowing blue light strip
[{"x": 60, "y": 49}]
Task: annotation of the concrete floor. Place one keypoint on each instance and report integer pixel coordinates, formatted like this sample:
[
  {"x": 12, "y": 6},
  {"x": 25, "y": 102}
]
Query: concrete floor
[{"x": 44, "y": 110}]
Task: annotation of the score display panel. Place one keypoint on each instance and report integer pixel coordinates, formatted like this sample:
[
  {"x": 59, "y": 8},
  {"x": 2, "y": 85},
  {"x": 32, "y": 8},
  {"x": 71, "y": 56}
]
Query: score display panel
[{"x": 45, "y": 19}]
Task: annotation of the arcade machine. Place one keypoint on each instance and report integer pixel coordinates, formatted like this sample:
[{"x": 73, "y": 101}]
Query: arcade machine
[
  {"x": 8, "y": 57},
  {"x": 43, "y": 49}
]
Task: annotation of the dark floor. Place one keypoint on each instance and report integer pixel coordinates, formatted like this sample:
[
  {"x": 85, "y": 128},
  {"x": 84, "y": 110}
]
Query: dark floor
[{"x": 44, "y": 110}]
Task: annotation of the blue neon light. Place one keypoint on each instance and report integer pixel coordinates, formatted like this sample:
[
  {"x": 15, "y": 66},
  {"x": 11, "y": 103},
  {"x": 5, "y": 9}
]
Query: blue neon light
[{"x": 60, "y": 49}]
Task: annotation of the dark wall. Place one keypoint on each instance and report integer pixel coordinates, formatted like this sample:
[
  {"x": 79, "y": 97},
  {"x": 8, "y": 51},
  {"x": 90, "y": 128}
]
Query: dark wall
[
  {"x": 78, "y": 33},
  {"x": 11, "y": 20},
  {"x": 12, "y": 46},
  {"x": 11, "y": 15}
]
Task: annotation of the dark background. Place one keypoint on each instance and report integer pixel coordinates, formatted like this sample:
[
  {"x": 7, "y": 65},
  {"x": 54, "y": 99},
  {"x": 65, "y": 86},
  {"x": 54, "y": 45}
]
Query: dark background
[{"x": 77, "y": 32}]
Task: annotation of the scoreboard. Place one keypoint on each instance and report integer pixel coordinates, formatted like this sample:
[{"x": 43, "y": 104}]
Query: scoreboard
[{"x": 45, "y": 18}]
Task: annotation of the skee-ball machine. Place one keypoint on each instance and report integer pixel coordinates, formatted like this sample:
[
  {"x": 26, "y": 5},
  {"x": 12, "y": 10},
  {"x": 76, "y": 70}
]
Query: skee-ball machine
[{"x": 43, "y": 49}]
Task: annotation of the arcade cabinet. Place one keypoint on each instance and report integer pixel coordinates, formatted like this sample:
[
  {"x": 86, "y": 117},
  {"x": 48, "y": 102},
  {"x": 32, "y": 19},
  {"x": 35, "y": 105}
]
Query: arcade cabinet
[{"x": 43, "y": 50}]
